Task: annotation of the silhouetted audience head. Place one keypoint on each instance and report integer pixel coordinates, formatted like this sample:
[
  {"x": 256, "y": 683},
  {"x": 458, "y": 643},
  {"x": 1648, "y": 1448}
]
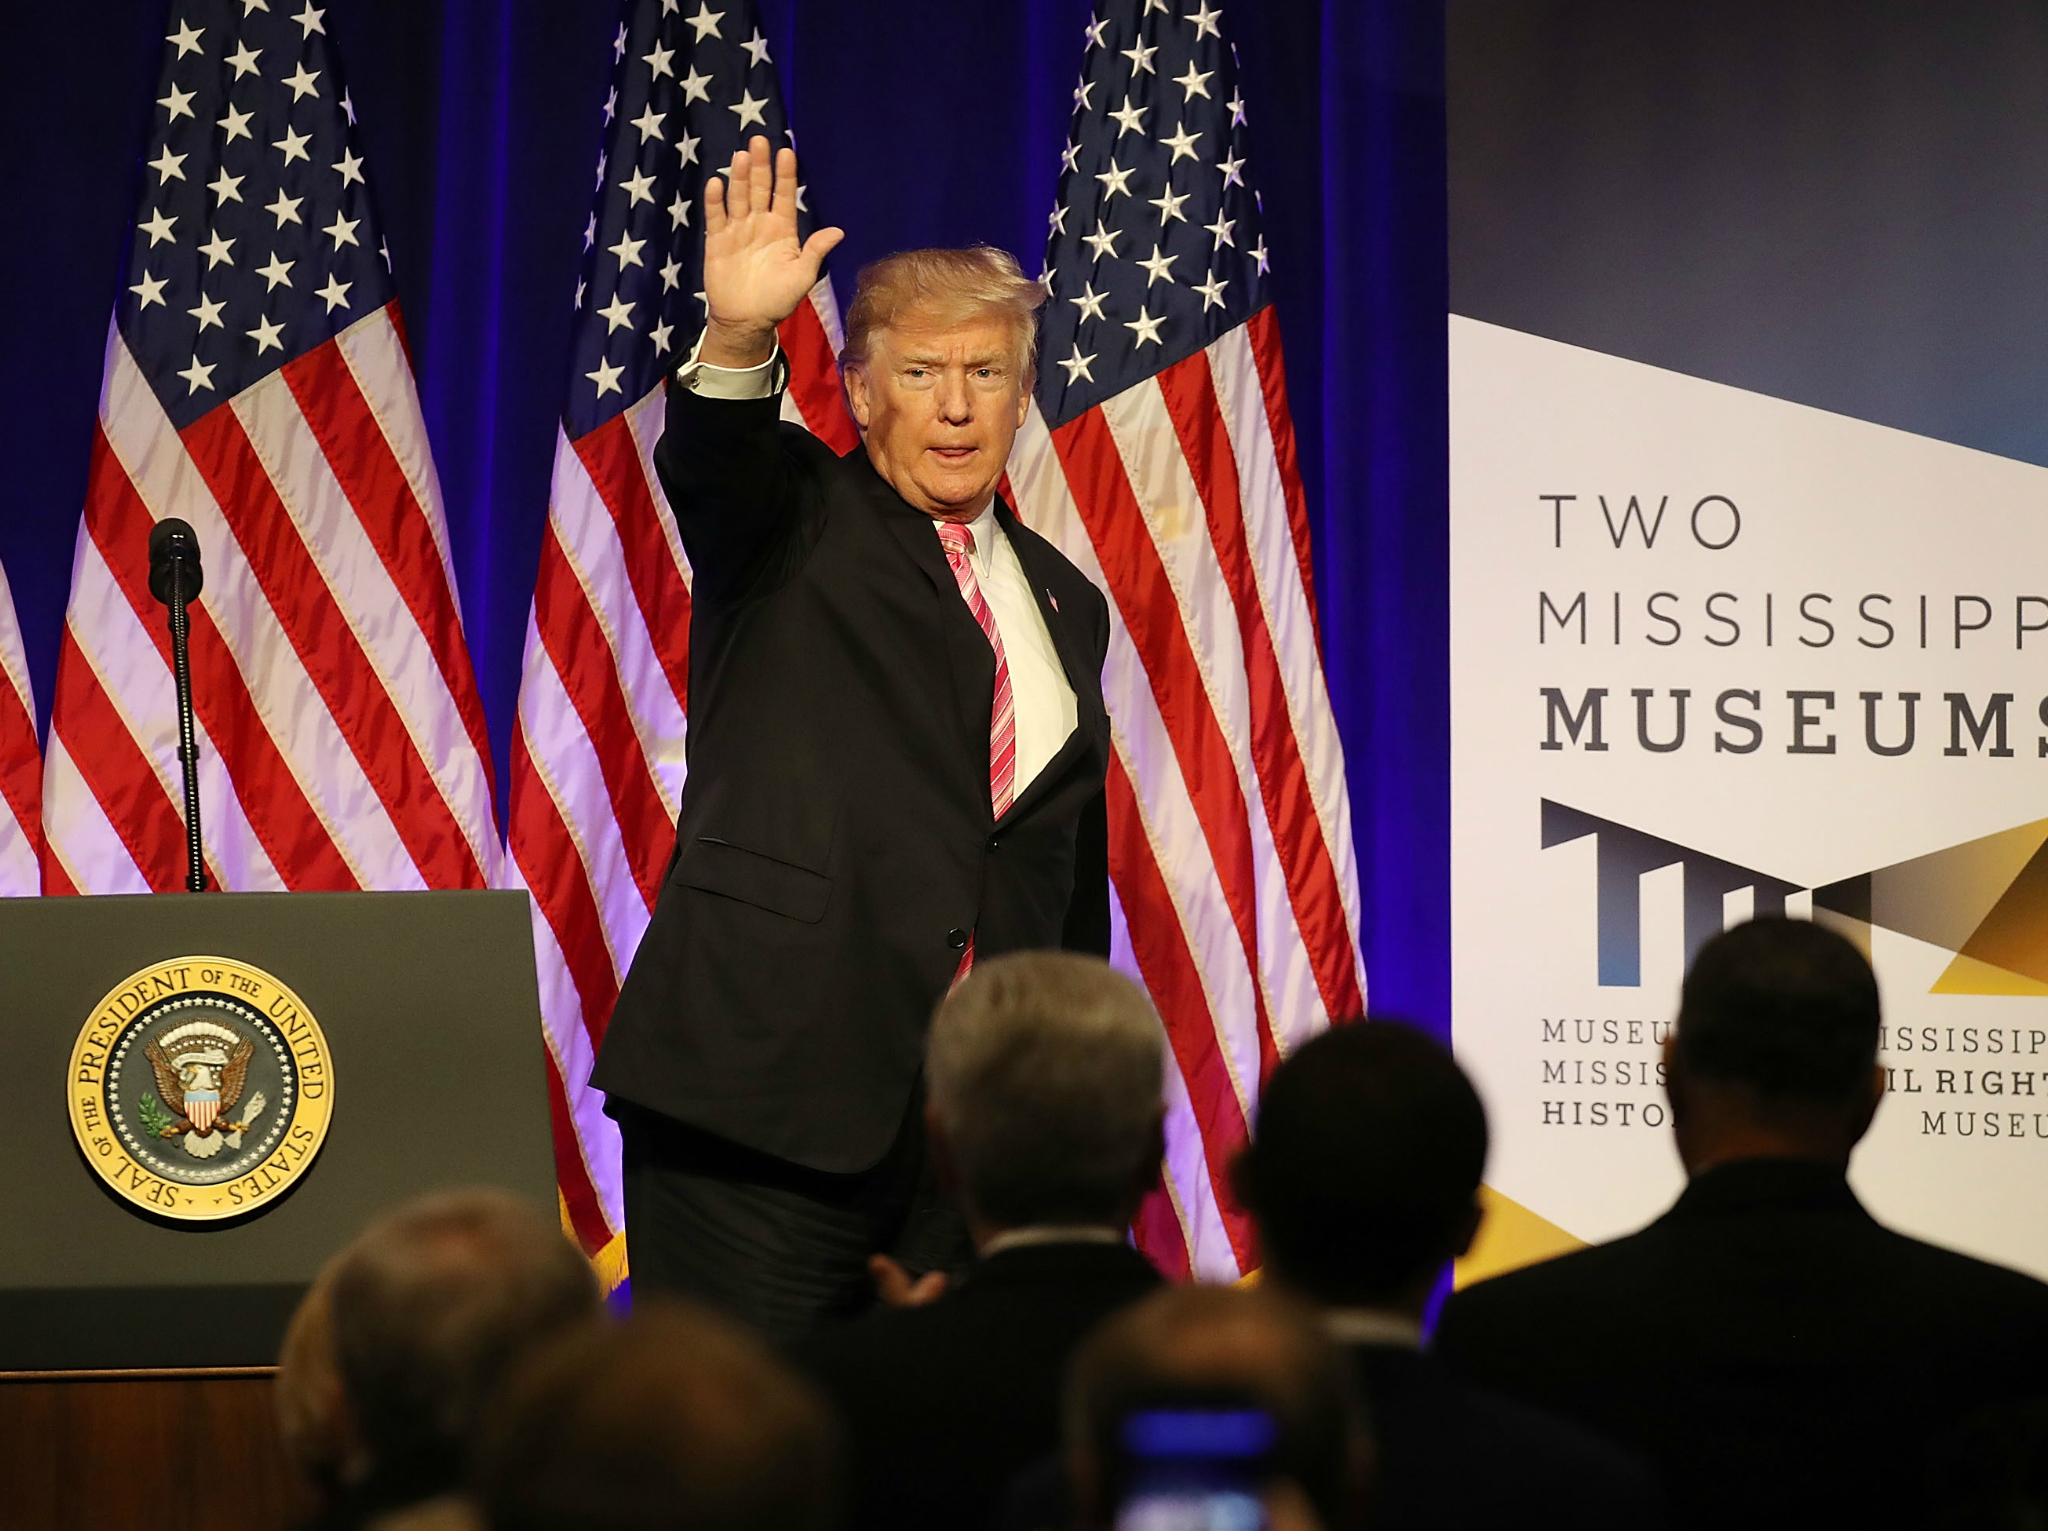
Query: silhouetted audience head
[
  {"x": 1043, "y": 1073},
  {"x": 674, "y": 1418},
  {"x": 312, "y": 1418},
  {"x": 1203, "y": 1352},
  {"x": 1364, "y": 1170},
  {"x": 408, "y": 1334},
  {"x": 1775, "y": 1052}
]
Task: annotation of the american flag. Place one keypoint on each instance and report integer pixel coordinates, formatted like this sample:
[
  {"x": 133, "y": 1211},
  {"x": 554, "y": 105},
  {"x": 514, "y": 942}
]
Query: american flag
[
  {"x": 257, "y": 385},
  {"x": 597, "y": 759},
  {"x": 1160, "y": 458},
  {"x": 21, "y": 765}
]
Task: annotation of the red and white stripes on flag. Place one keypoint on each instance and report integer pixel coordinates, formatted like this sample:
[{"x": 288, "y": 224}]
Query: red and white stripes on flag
[
  {"x": 270, "y": 404},
  {"x": 341, "y": 738},
  {"x": 1229, "y": 822},
  {"x": 21, "y": 765},
  {"x": 1159, "y": 456},
  {"x": 597, "y": 755}
]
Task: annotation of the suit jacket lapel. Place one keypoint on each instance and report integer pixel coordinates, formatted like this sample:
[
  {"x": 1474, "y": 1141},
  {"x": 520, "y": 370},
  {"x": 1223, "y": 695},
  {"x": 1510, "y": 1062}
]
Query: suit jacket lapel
[
  {"x": 968, "y": 657},
  {"x": 913, "y": 531}
]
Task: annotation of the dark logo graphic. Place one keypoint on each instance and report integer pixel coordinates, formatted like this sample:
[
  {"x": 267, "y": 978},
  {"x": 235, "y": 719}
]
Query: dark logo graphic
[
  {"x": 1985, "y": 900},
  {"x": 1622, "y": 856}
]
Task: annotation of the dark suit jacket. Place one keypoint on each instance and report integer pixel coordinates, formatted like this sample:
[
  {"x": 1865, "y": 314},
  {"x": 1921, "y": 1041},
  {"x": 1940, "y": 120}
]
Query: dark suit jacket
[
  {"x": 1456, "y": 1457},
  {"x": 836, "y": 846},
  {"x": 945, "y": 1404},
  {"x": 1779, "y": 1357}
]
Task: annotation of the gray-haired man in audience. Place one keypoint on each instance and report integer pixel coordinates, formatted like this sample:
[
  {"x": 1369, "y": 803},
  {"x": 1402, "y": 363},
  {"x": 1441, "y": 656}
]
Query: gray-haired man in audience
[{"x": 1043, "y": 1073}]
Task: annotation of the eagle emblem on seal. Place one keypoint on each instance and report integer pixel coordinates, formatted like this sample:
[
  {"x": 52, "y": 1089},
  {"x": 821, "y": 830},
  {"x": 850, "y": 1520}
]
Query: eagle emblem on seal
[{"x": 201, "y": 1069}]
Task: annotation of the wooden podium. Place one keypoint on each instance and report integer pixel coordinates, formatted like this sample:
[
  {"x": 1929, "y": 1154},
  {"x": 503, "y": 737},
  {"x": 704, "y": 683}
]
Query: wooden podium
[
  {"x": 59, "y": 1468},
  {"x": 137, "y": 1350}
]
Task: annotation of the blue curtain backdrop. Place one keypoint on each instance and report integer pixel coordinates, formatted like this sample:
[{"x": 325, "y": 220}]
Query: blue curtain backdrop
[{"x": 921, "y": 122}]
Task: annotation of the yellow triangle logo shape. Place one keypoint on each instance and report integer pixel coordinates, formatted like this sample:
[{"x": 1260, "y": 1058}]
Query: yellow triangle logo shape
[
  {"x": 1968, "y": 976},
  {"x": 1510, "y": 1237}
]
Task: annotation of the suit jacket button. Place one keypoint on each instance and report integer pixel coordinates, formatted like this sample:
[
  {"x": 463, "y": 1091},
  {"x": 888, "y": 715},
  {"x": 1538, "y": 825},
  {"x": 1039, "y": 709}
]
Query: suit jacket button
[
  {"x": 956, "y": 938},
  {"x": 994, "y": 843}
]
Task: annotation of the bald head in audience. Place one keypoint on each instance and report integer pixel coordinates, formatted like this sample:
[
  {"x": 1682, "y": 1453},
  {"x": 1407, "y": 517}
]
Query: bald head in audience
[{"x": 1776, "y": 1050}]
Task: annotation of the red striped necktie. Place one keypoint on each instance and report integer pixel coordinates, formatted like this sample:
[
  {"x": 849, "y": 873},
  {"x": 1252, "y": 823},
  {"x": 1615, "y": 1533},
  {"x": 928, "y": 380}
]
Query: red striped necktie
[{"x": 958, "y": 541}]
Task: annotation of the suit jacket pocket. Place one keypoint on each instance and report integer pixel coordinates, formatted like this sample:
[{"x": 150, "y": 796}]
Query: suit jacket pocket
[{"x": 726, "y": 869}]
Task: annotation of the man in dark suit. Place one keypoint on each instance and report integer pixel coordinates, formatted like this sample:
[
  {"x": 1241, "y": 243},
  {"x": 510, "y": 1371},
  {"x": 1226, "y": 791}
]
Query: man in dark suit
[
  {"x": 1044, "y": 1114},
  {"x": 896, "y": 760},
  {"x": 1782, "y": 1358},
  {"x": 1363, "y": 1177}
]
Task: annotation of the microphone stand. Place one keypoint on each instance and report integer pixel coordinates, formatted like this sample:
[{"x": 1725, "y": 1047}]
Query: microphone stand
[{"x": 188, "y": 742}]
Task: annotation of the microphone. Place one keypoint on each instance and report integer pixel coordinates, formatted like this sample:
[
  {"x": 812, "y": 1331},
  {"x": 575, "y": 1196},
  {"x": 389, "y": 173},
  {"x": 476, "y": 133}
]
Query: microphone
[
  {"x": 174, "y": 580},
  {"x": 172, "y": 544}
]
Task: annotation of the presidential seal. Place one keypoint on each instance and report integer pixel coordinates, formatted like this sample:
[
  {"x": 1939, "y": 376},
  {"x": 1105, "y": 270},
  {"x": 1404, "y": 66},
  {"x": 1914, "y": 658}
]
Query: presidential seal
[{"x": 200, "y": 1088}]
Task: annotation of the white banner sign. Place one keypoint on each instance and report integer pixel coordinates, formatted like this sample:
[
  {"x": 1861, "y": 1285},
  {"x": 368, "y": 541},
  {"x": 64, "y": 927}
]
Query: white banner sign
[{"x": 1712, "y": 654}]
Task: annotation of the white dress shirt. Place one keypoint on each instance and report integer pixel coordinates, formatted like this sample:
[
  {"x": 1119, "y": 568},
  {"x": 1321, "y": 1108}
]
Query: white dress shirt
[
  {"x": 1041, "y": 697},
  {"x": 1042, "y": 1237},
  {"x": 1372, "y": 1325}
]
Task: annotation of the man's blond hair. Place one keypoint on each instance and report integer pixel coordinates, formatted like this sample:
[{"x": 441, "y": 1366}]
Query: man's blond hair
[{"x": 944, "y": 287}]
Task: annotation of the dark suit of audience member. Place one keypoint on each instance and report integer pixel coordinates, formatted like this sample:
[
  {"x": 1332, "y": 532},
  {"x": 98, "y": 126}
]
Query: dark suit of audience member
[
  {"x": 1363, "y": 1175},
  {"x": 1781, "y": 1356},
  {"x": 1044, "y": 1117},
  {"x": 1990, "y": 1471}
]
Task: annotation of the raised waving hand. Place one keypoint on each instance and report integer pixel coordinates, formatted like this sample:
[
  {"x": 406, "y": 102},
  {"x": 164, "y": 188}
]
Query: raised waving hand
[{"x": 755, "y": 271}]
